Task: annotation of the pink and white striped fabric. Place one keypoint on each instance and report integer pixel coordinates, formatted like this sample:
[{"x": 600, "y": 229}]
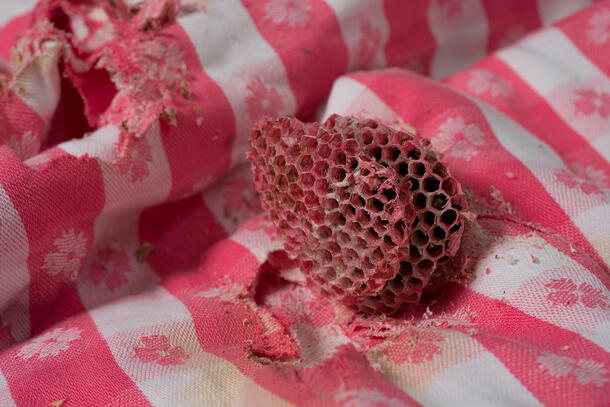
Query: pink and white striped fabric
[{"x": 136, "y": 268}]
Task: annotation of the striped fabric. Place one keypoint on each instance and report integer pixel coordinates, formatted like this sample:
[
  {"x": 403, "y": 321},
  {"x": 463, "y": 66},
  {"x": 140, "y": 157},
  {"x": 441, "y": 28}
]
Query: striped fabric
[{"x": 136, "y": 267}]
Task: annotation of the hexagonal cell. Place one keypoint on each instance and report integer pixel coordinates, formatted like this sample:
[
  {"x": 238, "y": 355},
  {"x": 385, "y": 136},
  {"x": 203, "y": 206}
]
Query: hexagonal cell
[
  {"x": 345, "y": 283},
  {"x": 374, "y": 151},
  {"x": 439, "y": 201},
  {"x": 381, "y": 138},
  {"x": 419, "y": 238},
  {"x": 323, "y": 151},
  {"x": 322, "y": 187},
  {"x": 329, "y": 274},
  {"x": 411, "y": 151},
  {"x": 330, "y": 204},
  {"x": 417, "y": 169},
  {"x": 279, "y": 162},
  {"x": 305, "y": 163},
  {"x": 336, "y": 219},
  {"x": 357, "y": 201},
  {"x": 365, "y": 136},
  {"x": 438, "y": 233},
  {"x": 449, "y": 185},
  {"x": 440, "y": 170},
  {"x": 425, "y": 266},
  {"x": 317, "y": 216},
  {"x": 390, "y": 153},
  {"x": 309, "y": 143},
  {"x": 434, "y": 250},
  {"x": 351, "y": 147},
  {"x": 431, "y": 184},
  {"x": 338, "y": 174},
  {"x": 292, "y": 175},
  {"x": 343, "y": 238},
  {"x": 349, "y": 255},
  {"x": 449, "y": 216},
  {"x": 428, "y": 218},
  {"x": 310, "y": 198},
  {"x": 402, "y": 168},
  {"x": 339, "y": 157},
  {"x": 374, "y": 205},
  {"x": 420, "y": 201},
  {"x": 320, "y": 169},
  {"x": 324, "y": 256},
  {"x": 323, "y": 232}
]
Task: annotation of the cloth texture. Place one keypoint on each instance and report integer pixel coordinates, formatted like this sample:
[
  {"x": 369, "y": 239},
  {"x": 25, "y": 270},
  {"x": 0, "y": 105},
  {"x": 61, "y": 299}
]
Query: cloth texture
[{"x": 136, "y": 265}]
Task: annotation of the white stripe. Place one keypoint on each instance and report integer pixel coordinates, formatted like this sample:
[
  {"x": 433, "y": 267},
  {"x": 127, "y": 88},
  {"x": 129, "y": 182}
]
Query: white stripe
[
  {"x": 6, "y": 400},
  {"x": 542, "y": 161},
  {"x": 548, "y": 59},
  {"x": 204, "y": 379},
  {"x": 349, "y": 96},
  {"x": 554, "y": 10},
  {"x": 352, "y": 16},
  {"x": 233, "y": 54},
  {"x": 494, "y": 385},
  {"x": 461, "y": 38},
  {"x": 14, "y": 273},
  {"x": 597, "y": 224},
  {"x": 11, "y": 9},
  {"x": 223, "y": 198},
  {"x": 551, "y": 64}
]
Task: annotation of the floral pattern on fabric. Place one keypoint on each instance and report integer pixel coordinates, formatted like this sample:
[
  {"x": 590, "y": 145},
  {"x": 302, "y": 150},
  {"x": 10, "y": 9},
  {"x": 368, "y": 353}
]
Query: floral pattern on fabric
[
  {"x": 66, "y": 259},
  {"x": 49, "y": 344}
]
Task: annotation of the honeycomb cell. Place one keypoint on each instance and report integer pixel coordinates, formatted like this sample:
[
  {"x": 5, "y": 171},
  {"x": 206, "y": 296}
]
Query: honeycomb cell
[{"x": 368, "y": 212}]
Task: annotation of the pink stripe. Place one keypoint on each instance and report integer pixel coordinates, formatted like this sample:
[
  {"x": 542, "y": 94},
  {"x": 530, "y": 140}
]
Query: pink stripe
[
  {"x": 182, "y": 230},
  {"x": 523, "y": 343},
  {"x": 519, "y": 105},
  {"x": 54, "y": 224},
  {"x": 411, "y": 43},
  {"x": 16, "y": 119},
  {"x": 508, "y": 20},
  {"x": 589, "y": 30},
  {"x": 198, "y": 149},
  {"x": 310, "y": 46},
  {"x": 9, "y": 34},
  {"x": 39, "y": 381},
  {"x": 426, "y": 114}
]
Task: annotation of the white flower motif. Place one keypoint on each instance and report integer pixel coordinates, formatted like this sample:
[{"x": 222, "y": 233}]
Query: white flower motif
[
  {"x": 589, "y": 371},
  {"x": 557, "y": 366},
  {"x": 292, "y": 12},
  {"x": 599, "y": 27},
  {"x": 482, "y": 81},
  {"x": 585, "y": 370},
  {"x": 590, "y": 173},
  {"x": 48, "y": 344},
  {"x": 67, "y": 259},
  {"x": 368, "y": 398},
  {"x": 459, "y": 139},
  {"x": 25, "y": 146}
]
